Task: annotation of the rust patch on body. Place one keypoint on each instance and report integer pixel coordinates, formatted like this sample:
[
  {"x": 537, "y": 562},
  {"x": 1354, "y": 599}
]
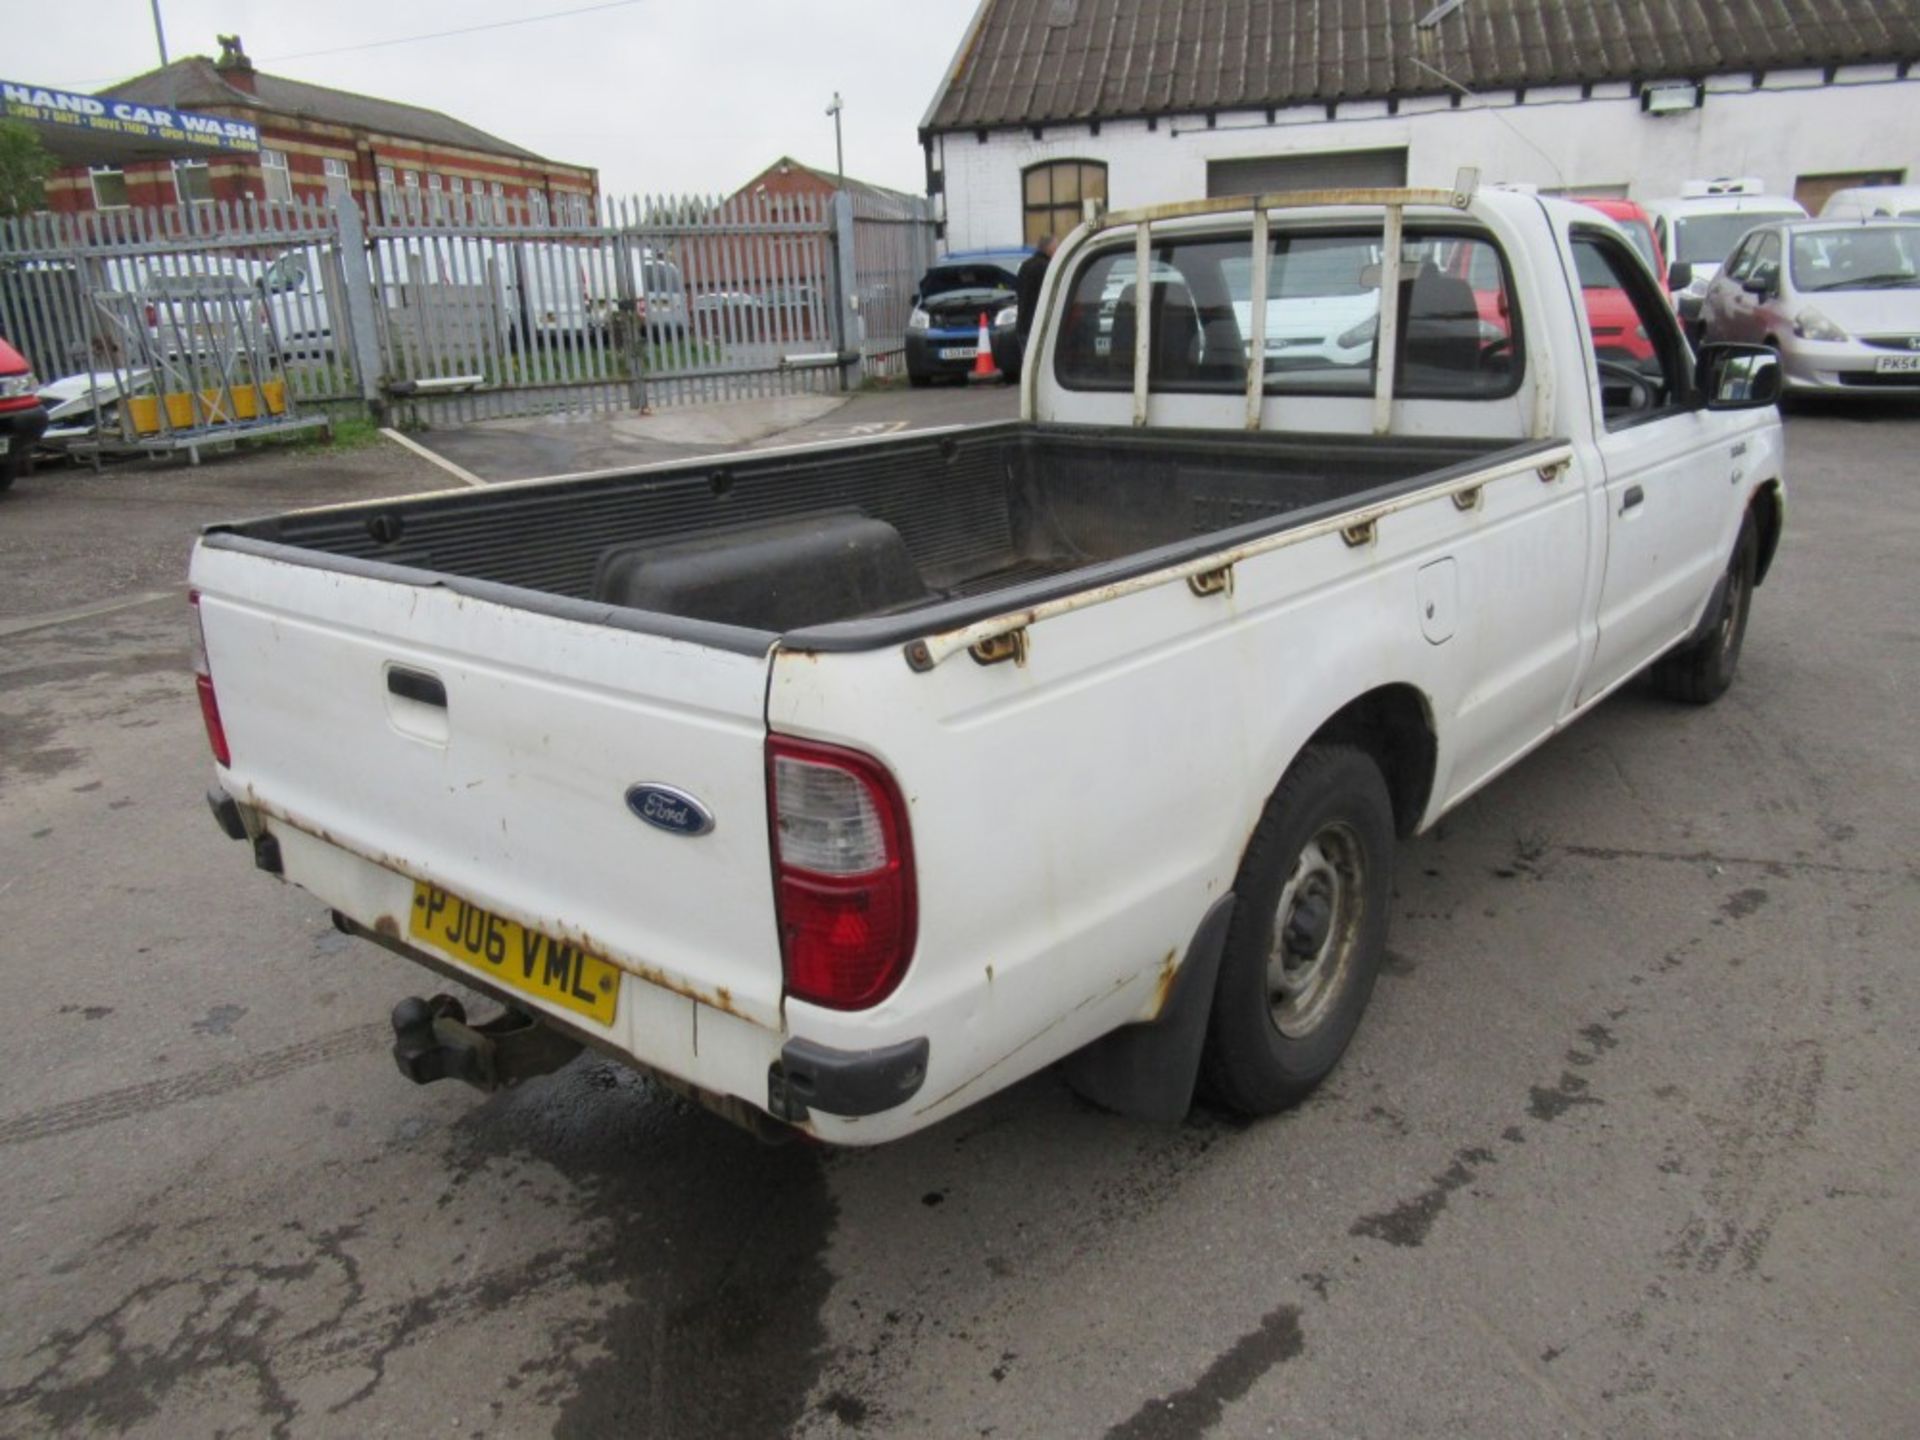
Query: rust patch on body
[
  {"x": 1163, "y": 987},
  {"x": 388, "y": 926}
]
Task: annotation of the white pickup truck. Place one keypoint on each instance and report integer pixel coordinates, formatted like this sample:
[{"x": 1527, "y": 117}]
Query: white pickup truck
[{"x": 842, "y": 786}]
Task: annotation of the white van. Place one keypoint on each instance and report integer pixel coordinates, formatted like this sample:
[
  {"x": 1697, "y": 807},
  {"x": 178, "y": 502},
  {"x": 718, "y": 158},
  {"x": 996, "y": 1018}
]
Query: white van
[
  {"x": 1873, "y": 202},
  {"x": 1698, "y": 228},
  {"x": 516, "y": 290}
]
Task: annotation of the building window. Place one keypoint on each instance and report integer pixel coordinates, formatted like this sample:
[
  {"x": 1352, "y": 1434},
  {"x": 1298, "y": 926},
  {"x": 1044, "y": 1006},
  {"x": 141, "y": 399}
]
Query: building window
[
  {"x": 339, "y": 174},
  {"x": 1053, "y": 196},
  {"x": 109, "y": 188},
  {"x": 536, "y": 206},
  {"x": 192, "y": 185},
  {"x": 436, "y": 198},
  {"x": 273, "y": 173},
  {"x": 499, "y": 192}
]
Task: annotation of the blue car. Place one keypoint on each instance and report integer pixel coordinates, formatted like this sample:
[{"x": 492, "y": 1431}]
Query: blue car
[{"x": 944, "y": 330}]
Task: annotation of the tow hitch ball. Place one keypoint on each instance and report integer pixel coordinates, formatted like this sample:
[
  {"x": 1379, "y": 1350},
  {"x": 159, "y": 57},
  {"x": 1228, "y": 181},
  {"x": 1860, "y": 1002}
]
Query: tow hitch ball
[{"x": 433, "y": 1041}]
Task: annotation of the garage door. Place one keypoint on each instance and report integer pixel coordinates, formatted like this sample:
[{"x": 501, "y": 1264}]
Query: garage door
[
  {"x": 1319, "y": 170},
  {"x": 1812, "y": 190}
]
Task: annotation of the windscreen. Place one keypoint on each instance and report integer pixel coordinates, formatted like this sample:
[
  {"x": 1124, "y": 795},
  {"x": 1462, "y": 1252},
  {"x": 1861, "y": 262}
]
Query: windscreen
[
  {"x": 1873, "y": 257},
  {"x": 1642, "y": 237},
  {"x": 1709, "y": 239}
]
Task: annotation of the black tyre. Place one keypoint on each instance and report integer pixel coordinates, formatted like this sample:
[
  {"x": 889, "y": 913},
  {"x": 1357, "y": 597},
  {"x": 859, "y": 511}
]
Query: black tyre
[
  {"x": 919, "y": 382},
  {"x": 1701, "y": 673},
  {"x": 1308, "y": 933}
]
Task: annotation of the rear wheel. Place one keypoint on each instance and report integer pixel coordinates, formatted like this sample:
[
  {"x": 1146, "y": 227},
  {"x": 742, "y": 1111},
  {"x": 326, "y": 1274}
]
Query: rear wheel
[
  {"x": 1701, "y": 673},
  {"x": 1309, "y": 929},
  {"x": 919, "y": 382}
]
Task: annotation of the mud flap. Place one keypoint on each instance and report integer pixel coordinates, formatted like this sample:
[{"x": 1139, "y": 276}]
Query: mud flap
[{"x": 1147, "y": 1071}]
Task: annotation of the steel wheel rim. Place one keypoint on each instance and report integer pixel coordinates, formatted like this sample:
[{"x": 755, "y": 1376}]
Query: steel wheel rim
[
  {"x": 1736, "y": 604},
  {"x": 1316, "y": 929}
]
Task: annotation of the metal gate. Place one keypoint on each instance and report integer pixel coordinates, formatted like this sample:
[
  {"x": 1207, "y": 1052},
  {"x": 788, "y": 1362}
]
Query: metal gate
[
  {"x": 670, "y": 301},
  {"x": 449, "y": 308},
  {"x": 51, "y": 267}
]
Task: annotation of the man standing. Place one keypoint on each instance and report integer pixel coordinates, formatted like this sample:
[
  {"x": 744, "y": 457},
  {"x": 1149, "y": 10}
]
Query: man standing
[{"x": 1026, "y": 289}]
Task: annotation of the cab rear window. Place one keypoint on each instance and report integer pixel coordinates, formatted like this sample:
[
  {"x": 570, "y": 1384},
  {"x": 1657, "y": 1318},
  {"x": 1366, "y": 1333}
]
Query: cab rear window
[{"x": 1459, "y": 328}]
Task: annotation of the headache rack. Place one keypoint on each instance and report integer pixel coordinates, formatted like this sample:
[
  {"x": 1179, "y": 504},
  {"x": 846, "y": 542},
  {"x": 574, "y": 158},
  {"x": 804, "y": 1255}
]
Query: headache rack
[{"x": 1392, "y": 200}]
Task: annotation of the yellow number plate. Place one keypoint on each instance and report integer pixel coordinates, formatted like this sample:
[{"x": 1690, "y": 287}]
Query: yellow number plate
[{"x": 515, "y": 956}]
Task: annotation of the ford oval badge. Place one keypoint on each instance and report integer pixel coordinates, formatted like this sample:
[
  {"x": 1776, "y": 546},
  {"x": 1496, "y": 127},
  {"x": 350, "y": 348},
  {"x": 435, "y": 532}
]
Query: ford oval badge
[{"x": 666, "y": 808}]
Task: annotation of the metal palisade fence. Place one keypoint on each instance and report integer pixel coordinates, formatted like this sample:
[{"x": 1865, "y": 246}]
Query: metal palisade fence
[{"x": 446, "y": 308}]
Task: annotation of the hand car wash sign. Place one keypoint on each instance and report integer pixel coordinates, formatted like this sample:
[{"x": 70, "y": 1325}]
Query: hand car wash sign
[{"x": 61, "y": 114}]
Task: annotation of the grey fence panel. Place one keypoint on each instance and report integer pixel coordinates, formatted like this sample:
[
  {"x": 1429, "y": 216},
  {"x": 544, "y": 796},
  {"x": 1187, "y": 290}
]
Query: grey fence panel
[
  {"x": 481, "y": 309},
  {"x": 50, "y": 266},
  {"x": 893, "y": 248}
]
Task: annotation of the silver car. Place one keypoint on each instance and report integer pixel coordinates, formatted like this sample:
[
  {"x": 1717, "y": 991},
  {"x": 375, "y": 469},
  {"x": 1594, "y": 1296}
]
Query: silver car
[{"x": 1840, "y": 301}]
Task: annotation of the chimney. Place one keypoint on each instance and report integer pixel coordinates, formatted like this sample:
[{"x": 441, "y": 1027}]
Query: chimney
[{"x": 233, "y": 65}]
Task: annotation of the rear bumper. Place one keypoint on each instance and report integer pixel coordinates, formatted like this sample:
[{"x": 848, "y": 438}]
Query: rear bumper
[{"x": 730, "y": 1064}]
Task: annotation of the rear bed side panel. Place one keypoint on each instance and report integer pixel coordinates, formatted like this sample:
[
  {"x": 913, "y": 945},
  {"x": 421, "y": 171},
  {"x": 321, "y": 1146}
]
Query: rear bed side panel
[
  {"x": 513, "y": 795},
  {"x": 1076, "y": 815}
]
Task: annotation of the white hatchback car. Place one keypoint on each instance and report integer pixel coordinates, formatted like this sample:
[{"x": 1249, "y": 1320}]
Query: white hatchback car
[{"x": 1840, "y": 301}]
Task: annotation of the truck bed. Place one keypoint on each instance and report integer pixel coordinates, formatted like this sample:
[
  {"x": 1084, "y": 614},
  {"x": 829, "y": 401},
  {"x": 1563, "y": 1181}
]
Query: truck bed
[{"x": 858, "y": 545}]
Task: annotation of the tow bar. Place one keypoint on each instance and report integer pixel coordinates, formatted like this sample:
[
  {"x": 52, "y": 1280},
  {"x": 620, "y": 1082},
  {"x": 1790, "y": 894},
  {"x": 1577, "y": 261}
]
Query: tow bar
[{"x": 432, "y": 1041}]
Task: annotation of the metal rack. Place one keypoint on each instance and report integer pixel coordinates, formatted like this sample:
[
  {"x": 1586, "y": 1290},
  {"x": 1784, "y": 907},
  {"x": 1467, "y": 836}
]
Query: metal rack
[{"x": 196, "y": 362}]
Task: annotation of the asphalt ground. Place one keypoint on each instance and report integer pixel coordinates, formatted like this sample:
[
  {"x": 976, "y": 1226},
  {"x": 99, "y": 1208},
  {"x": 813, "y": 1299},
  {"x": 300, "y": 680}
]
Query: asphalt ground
[
  {"x": 1625, "y": 1146},
  {"x": 522, "y": 448}
]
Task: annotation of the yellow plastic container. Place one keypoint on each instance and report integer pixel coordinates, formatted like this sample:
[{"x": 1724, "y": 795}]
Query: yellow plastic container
[{"x": 209, "y": 407}]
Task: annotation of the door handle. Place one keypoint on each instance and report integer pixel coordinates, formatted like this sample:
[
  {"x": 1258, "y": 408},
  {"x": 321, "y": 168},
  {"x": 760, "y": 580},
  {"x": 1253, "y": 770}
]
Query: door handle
[
  {"x": 417, "y": 685},
  {"x": 1632, "y": 498}
]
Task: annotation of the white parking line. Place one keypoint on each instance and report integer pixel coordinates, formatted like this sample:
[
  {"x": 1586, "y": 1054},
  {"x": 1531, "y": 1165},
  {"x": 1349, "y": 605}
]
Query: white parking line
[
  {"x": 20, "y": 624},
  {"x": 460, "y": 473}
]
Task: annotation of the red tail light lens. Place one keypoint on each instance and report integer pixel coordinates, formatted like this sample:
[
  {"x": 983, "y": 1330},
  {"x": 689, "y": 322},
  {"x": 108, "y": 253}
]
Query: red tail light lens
[
  {"x": 203, "y": 683},
  {"x": 843, "y": 873}
]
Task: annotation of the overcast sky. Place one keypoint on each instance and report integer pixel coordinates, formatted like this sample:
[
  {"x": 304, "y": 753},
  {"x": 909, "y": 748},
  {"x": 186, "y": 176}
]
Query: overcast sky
[{"x": 660, "y": 95}]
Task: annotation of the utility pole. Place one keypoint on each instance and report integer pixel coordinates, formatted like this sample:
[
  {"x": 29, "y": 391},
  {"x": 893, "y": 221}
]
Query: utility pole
[
  {"x": 160, "y": 34},
  {"x": 839, "y": 160}
]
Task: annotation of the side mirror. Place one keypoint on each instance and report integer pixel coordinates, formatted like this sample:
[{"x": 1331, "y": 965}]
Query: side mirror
[
  {"x": 1758, "y": 285},
  {"x": 1738, "y": 377},
  {"x": 1680, "y": 275}
]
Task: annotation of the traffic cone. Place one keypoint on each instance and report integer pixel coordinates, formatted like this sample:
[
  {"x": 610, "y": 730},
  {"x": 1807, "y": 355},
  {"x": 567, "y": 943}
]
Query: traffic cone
[{"x": 983, "y": 366}]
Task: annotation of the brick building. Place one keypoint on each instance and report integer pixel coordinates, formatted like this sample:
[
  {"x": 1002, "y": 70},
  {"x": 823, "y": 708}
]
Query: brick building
[
  {"x": 314, "y": 140},
  {"x": 771, "y": 195}
]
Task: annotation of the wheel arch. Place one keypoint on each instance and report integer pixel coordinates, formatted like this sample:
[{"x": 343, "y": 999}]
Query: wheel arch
[{"x": 1393, "y": 724}]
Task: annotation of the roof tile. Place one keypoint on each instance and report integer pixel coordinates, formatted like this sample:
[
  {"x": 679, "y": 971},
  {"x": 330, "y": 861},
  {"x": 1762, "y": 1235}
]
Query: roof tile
[{"x": 1035, "y": 62}]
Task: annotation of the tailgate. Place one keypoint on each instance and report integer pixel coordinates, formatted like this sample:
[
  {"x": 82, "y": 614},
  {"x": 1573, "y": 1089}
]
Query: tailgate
[{"x": 513, "y": 794}]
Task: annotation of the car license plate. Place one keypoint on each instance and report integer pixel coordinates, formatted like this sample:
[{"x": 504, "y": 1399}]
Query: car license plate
[
  {"x": 508, "y": 952},
  {"x": 959, "y": 352},
  {"x": 1897, "y": 365}
]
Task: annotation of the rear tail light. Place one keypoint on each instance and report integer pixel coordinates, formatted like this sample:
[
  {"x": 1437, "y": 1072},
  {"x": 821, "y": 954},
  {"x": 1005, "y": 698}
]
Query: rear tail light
[
  {"x": 843, "y": 873},
  {"x": 203, "y": 683}
]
